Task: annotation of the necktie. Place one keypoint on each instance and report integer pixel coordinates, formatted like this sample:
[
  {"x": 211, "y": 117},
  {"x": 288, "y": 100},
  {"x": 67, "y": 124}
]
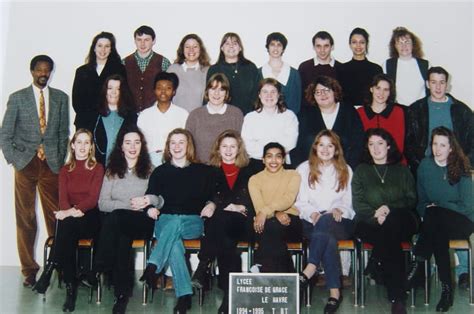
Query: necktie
[{"x": 42, "y": 122}]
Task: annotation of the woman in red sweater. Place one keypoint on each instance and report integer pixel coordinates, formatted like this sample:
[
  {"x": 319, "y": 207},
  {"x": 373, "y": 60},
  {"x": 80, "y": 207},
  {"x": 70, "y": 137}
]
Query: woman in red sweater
[
  {"x": 382, "y": 112},
  {"x": 80, "y": 180}
]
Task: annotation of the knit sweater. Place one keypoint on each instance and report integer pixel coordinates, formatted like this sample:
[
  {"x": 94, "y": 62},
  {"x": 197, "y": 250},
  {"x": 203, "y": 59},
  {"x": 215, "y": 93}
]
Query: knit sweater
[
  {"x": 192, "y": 84},
  {"x": 243, "y": 78},
  {"x": 323, "y": 196},
  {"x": 369, "y": 193},
  {"x": 80, "y": 187},
  {"x": 275, "y": 192},
  {"x": 185, "y": 190},
  {"x": 434, "y": 188},
  {"x": 355, "y": 77},
  {"x": 116, "y": 192},
  {"x": 205, "y": 127}
]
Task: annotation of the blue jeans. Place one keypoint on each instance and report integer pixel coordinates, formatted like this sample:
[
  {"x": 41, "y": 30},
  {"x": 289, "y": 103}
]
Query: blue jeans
[
  {"x": 170, "y": 230},
  {"x": 323, "y": 239}
]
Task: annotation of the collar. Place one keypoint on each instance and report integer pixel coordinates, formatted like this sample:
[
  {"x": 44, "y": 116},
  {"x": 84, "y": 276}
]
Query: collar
[
  {"x": 385, "y": 113},
  {"x": 186, "y": 67},
  {"x": 146, "y": 58},
  {"x": 282, "y": 77},
  {"x": 211, "y": 110},
  {"x": 37, "y": 90},
  {"x": 331, "y": 63}
]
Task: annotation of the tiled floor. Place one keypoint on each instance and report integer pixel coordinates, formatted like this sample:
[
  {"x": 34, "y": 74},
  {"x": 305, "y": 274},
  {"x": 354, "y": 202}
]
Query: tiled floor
[{"x": 14, "y": 298}]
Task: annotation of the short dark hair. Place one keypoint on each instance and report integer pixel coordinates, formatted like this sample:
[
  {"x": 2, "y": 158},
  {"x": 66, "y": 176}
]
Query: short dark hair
[
  {"x": 323, "y": 35},
  {"x": 165, "y": 76},
  {"x": 41, "y": 58},
  {"x": 362, "y": 32},
  {"x": 274, "y": 145},
  {"x": 144, "y": 30},
  {"x": 276, "y": 36},
  {"x": 393, "y": 155},
  {"x": 437, "y": 70}
]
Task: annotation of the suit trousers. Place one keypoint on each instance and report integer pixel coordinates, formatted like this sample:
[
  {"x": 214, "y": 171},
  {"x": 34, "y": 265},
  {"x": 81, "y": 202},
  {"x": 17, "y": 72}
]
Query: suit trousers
[{"x": 34, "y": 176}]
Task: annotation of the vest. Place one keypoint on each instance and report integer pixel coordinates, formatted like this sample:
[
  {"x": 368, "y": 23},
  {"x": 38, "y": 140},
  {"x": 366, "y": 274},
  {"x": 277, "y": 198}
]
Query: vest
[
  {"x": 392, "y": 70},
  {"x": 141, "y": 84}
]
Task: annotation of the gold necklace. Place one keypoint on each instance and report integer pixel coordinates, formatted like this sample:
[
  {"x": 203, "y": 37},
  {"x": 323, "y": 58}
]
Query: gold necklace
[{"x": 382, "y": 178}]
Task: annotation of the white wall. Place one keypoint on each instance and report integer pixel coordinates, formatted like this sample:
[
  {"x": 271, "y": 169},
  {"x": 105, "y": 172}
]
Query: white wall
[{"x": 64, "y": 31}]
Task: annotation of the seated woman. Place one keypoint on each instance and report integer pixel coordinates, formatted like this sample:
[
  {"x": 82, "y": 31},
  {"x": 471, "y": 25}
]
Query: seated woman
[
  {"x": 232, "y": 220},
  {"x": 187, "y": 187},
  {"x": 384, "y": 199},
  {"x": 382, "y": 112},
  {"x": 129, "y": 214},
  {"x": 445, "y": 201},
  {"x": 116, "y": 111},
  {"x": 80, "y": 180},
  {"x": 273, "y": 192},
  {"x": 325, "y": 205},
  {"x": 270, "y": 122}
]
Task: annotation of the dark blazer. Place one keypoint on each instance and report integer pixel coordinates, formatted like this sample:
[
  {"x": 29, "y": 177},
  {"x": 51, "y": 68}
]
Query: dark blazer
[
  {"x": 86, "y": 91},
  {"x": 100, "y": 136},
  {"x": 347, "y": 126},
  {"x": 391, "y": 69},
  {"x": 21, "y": 136}
]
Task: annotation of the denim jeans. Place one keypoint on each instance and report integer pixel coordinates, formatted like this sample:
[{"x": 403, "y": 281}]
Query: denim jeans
[
  {"x": 170, "y": 230},
  {"x": 323, "y": 245}
]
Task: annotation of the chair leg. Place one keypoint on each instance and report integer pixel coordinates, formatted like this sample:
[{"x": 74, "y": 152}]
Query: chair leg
[
  {"x": 427, "y": 285},
  {"x": 469, "y": 256},
  {"x": 144, "y": 287},
  {"x": 412, "y": 290},
  {"x": 362, "y": 279},
  {"x": 354, "y": 276}
]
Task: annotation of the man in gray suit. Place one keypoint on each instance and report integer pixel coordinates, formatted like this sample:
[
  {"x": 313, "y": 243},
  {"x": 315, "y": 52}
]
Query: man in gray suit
[{"x": 34, "y": 139}]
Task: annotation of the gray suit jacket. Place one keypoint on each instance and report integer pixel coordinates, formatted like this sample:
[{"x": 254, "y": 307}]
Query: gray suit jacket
[{"x": 20, "y": 135}]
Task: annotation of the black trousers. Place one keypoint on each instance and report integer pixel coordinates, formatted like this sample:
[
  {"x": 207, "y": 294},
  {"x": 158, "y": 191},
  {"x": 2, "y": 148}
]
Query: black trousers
[
  {"x": 439, "y": 226},
  {"x": 399, "y": 226},
  {"x": 114, "y": 249},
  {"x": 272, "y": 251},
  {"x": 70, "y": 230},
  {"x": 223, "y": 231}
]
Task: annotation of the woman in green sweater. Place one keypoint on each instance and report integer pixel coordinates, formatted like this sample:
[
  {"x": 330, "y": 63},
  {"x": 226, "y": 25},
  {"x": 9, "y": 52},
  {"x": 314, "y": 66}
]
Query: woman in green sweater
[
  {"x": 384, "y": 199},
  {"x": 445, "y": 201}
]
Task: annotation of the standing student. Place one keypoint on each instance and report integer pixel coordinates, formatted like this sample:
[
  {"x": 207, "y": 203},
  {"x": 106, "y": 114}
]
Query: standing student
[
  {"x": 191, "y": 66},
  {"x": 241, "y": 72},
  {"x": 406, "y": 67},
  {"x": 164, "y": 116},
  {"x": 356, "y": 75},
  {"x": 275, "y": 68},
  {"x": 34, "y": 139},
  {"x": 142, "y": 66},
  {"x": 80, "y": 180},
  {"x": 102, "y": 61}
]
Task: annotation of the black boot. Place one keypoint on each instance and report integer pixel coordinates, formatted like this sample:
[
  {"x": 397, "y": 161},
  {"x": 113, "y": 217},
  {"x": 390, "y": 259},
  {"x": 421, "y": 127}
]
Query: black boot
[
  {"x": 150, "y": 276},
  {"x": 43, "y": 282},
  {"x": 201, "y": 275},
  {"x": 224, "y": 308},
  {"x": 416, "y": 274},
  {"x": 120, "y": 304},
  {"x": 446, "y": 300},
  {"x": 183, "y": 304},
  {"x": 71, "y": 294}
]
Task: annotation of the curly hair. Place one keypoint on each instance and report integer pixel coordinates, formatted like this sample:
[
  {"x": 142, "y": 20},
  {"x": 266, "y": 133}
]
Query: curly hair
[
  {"x": 91, "y": 162},
  {"x": 325, "y": 81},
  {"x": 190, "y": 149},
  {"x": 242, "y": 158},
  {"x": 393, "y": 155},
  {"x": 125, "y": 103},
  {"x": 281, "y": 104},
  {"x": 204, "y": 59},
  {"x": 117, "y": 162},
  {"x": 399, "y": 32},
  {"x": 338, "y": 161},
  {"x": 458, "y": 164}
]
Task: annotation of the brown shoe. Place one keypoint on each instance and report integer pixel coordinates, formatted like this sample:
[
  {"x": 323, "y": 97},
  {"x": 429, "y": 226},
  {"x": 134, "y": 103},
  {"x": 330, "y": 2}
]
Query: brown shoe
[
  {"x": 29, "y": 281},
  {"x": 169, "y": 283}
]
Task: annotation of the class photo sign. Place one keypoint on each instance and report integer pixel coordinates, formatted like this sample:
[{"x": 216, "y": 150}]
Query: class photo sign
[{"x": 264, "y": 293}]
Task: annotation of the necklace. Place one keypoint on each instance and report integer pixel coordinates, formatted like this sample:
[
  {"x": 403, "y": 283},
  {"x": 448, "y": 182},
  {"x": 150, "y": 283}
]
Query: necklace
[
  {"x": 231, "y": 174},
  {"x": 382, "y": 178},
  {"x": 130, "y": 169}
]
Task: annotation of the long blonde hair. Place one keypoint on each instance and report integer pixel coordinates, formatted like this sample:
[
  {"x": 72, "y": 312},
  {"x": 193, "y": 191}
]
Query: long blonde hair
[
  {"x": 242, "y": 158},
  {"x": 91, "y": 162},
  {"x": 338, "y": 161}
]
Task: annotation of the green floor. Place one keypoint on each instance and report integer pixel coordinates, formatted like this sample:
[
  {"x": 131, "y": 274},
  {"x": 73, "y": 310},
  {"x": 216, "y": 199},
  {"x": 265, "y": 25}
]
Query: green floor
[{"x": 14, "y": 298}]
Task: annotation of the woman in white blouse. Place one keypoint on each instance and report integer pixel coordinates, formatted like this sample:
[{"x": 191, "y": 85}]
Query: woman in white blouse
[
  {"x": 270, "y": 122},
  {"x": 325, "y": 205}
]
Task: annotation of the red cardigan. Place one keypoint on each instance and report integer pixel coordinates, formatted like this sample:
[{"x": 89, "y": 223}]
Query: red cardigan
[{"x": 80, "y": 187}]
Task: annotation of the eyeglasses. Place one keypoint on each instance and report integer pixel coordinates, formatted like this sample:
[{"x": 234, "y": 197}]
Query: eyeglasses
[
  {"x": 404, "y": 42},
  {"x": 322, "y": 91}
]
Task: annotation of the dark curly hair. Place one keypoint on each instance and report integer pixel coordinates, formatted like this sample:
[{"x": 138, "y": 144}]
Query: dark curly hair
[
  {"x": 326, "y": 81},
  {"x": 399, "y": 32},
  {"x": 393, "y": 155},
  {"x": 125, "y": 103},
  {"x": 117, "y": 162}
]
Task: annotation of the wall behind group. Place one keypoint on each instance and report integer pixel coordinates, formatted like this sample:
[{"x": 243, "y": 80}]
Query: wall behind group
[{"x": 65, "y": 30}]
